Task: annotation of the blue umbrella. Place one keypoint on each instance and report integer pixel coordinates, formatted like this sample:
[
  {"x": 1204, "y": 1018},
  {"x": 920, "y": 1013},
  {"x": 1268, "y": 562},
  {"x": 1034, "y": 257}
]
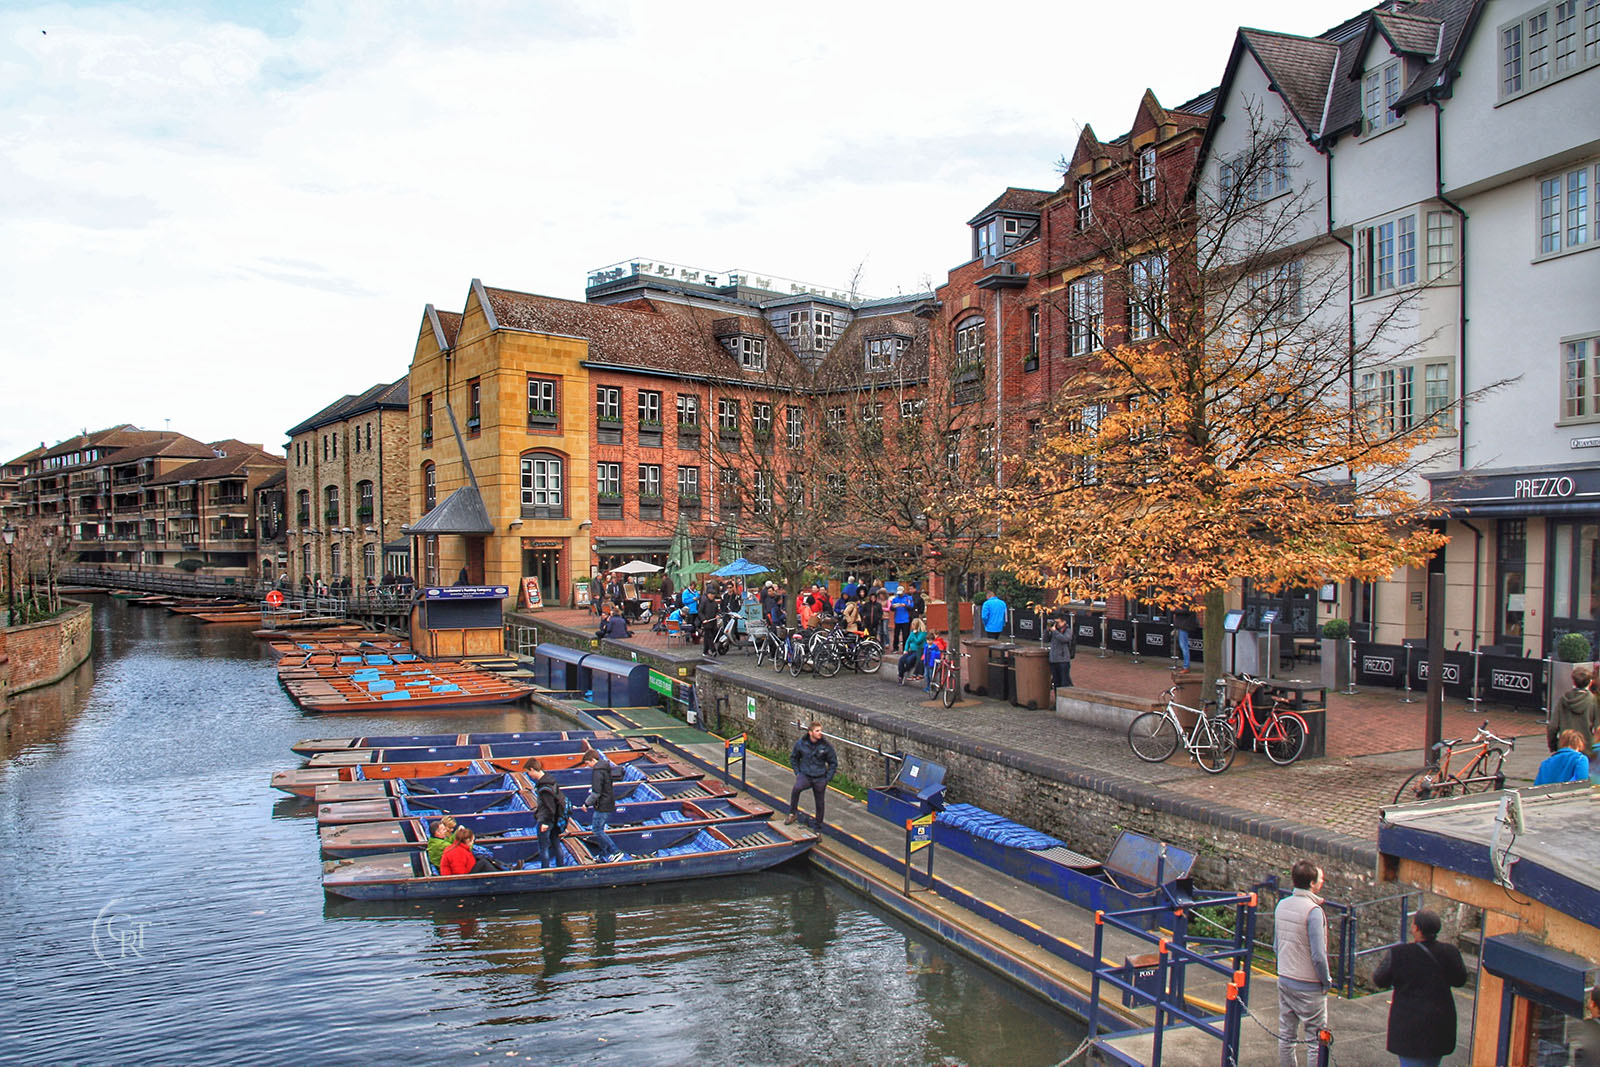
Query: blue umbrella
[{"x": 739, "y": 568}]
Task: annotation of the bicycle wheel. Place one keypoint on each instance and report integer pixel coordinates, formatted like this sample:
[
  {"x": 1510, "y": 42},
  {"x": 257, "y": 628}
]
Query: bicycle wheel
[
  {"x": 797, "y": 660},
  {"x": 869, "y": 657},
  {"x": 1286, "y": 738},
  {"x": 1216, "y": 747},
  {"x": 1153, "y": 737},
  {"x": 1426, "y": 785},
  {"x": 828, "y": 663},
  {"x": 761, "y": 651},
  {"x": 1488, "y": 775},
  {"x": 949, "y": 695},
  {"x": 780, "y": 656}
]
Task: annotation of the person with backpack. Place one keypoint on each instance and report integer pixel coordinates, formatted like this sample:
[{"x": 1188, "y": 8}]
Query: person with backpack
[
  {"x": 601, "y": 801},
  {"x": 1422, "y": 1015},
  {"x": 552, "y": 809}
]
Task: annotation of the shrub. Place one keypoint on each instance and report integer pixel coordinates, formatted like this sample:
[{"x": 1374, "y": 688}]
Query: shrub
[
  {"x": 1573, "y": 648},
  {"x": 1336, "y": 628}
]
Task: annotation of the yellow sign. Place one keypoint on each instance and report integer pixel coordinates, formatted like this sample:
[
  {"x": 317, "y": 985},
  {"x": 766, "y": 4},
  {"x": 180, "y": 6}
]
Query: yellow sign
[{"x": 919, "y": 833}]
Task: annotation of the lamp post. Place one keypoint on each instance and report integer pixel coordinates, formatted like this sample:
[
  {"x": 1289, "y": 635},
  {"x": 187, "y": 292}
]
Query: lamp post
[
  {"x": 10, "y": 534},
  {"x": 49, "y": 568}
]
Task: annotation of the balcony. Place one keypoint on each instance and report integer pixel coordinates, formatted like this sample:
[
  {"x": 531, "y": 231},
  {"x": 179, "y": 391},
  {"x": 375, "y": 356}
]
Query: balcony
[{"x": 230, "y": 500}]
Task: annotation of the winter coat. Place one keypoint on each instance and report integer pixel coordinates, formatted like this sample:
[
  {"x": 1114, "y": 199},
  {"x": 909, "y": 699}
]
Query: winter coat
[
  {"x": 814, "y": 759},
  {"x": 1062, "y": 646},
  {"x": 1422, "y": 1016},
  {"x": 1574, "y": 711},
  {"x": 602, "y": 793}
]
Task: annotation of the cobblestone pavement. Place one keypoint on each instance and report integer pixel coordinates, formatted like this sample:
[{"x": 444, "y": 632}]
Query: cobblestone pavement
[{"x": 1374, "y": 738}]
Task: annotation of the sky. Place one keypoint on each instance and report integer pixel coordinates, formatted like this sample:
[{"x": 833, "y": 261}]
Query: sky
[{"x": 221, "y": 217}]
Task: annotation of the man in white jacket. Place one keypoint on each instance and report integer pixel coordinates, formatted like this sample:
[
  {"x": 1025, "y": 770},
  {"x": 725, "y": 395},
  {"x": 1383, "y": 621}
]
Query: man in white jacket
[{"x": 1300, "y": 940}]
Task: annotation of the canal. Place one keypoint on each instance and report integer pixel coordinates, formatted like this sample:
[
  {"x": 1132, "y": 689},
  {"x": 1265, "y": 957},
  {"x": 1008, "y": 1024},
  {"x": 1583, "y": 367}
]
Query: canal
[{"x": 162, "y": 904}]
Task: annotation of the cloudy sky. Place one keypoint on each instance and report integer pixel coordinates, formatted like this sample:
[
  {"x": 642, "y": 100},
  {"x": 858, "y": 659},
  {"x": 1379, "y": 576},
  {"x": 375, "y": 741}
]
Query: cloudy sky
[{"x": 224, "y": 216}]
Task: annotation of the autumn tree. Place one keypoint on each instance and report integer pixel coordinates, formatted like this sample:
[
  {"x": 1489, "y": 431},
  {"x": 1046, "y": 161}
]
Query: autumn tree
[{"x": 1214, "y": 436}]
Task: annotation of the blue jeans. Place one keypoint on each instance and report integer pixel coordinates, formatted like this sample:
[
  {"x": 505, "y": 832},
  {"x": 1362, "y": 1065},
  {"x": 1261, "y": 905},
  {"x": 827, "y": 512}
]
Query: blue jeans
[
  {"x": 603, "y": 839},
  {"x": 1183, "y": 647},
  {"x": 1418, "y": 1061},
  {"x": 550, "y": 846}
]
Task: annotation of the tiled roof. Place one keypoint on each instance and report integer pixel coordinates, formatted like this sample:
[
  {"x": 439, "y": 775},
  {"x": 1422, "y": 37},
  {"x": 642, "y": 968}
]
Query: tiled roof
[
  {"x": 1013, "y": 201},
  {"x": 275, "y": 479},
  {"x": 111, "y": 437},
  {"x": 1414, "y": 35},
  {"x": 451, "y": 321},
  {"x": 1427, "y": 26},
  {"x": 1457, "y": 19},
  {"x": 649, "y": 335},
  {"x": 233, "y": 464},
  {"x": 844, "y": 367},
  {"x": 1300, "y": 68},
  {"x": 382, "y": 395},
  {"x": 172, "y": 446}
]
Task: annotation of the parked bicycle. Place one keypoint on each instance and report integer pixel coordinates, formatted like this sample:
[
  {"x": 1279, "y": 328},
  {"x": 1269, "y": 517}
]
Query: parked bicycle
[
  {"x": 1276, "y": 730},
  {"x": 770, "y": 641},
  {"x": 1155, "y": 735},
  {"x": 861, "y": 654},
  {"x": 812, "y": 650},
  {"x": 944, "y": 680},
  {"x": 1484, "y": 773}
]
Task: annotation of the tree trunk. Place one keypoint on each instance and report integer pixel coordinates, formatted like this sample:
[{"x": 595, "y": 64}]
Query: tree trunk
[{"x": 1211, "y": 641}]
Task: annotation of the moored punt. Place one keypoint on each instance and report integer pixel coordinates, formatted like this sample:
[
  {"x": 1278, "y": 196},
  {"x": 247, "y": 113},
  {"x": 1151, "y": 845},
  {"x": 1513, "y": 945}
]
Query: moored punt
[
  {"x": 303, "y": 781},
  {"x": 612, "y": 746},
  {"x": 449, "y": 690},
  {"x": 659, "y": 774},
  {"x": 312, "y": 746},
  {"x": 364, "y": 838},
  {"x": 509, "y": 800},
  {"x": 657, "y": 855},
  {"x": 196, "y": 607},
  {"x": 235, "y": 618}
]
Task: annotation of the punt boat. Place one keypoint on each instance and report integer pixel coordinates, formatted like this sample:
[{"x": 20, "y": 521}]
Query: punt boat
[
  {"x": 312, "y": 746},
  {"x": 303, "y": 781},
  {"x": 653, "y": 854},
  {"x": 635, "y": 772},
  {"x": 500, "y": 750}
]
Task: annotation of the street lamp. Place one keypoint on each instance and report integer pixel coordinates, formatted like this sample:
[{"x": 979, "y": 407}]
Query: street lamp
[
  {"x": 49, "y": 568},
  {"x": 10, "y": 535}
]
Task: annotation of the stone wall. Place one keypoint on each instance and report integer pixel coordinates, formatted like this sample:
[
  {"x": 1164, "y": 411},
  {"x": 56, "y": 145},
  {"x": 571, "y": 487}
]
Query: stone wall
[{"x": 45, "y": 652}]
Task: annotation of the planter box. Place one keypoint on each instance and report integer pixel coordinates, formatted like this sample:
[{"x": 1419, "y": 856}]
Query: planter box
[{"x": 1336, "y": 662}]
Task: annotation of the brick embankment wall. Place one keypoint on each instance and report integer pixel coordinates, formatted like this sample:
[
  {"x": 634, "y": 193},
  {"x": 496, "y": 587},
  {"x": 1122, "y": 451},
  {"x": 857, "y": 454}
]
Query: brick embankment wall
[
  {"x": 1085, "y": 808},
  {"x": 48, "y": 651},
  {"x": 567, "y": 637}
]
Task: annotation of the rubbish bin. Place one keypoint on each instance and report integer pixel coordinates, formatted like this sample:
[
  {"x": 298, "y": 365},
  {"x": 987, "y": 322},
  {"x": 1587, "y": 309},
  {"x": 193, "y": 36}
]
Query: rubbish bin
[
  {"x": 1033, "y": 677},
  {"x": 1002, "y": 682},
  {"x": 975, "y": 651}
]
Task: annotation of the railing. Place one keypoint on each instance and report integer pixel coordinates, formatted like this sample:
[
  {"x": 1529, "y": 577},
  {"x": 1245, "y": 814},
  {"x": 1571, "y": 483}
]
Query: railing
[
  {"x": 1346, "y": 932},
  {"x": 889, "y": 758}
]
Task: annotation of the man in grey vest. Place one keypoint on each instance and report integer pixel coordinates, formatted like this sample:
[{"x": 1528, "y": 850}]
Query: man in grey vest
[{"x": 1300, "y": 940}]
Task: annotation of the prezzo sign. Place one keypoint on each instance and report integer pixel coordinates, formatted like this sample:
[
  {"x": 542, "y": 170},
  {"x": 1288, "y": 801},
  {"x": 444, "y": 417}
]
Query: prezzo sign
[
  {"x": 1450, "y": 672},
  {"x": 1384, "y": 665},
  {"x": 1533, "y": 488},
  {"x": 1511, "y": 681}
]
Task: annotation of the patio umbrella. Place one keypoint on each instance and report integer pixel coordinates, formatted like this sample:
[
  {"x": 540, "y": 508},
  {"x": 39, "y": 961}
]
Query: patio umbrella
[
  {"x": 730, "y": 546},
  {"x": 739, "y": 568},
  {"x": 637, "y": 566}
]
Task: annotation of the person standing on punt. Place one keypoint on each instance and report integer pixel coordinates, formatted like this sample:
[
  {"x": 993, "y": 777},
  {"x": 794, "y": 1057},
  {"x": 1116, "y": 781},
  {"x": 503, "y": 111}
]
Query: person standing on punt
[
  {"x": 601, "y": 801},
  {"x": 815, "y": 763},
  {"x": 1422, "y": 1015},
  {"x": 551, "y": 813},
  {"x": 1300, "y": 941}
]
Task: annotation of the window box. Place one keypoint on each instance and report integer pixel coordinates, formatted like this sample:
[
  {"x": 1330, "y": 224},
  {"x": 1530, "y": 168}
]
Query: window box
[
  {"x": 728, "y": 438},
  {"x": 968, "y": 372},
  {"x": 649, "y": 507},
  {"x": 1031, "y": 363},
  {"x": 332, "y": 514},
  {"x": 649, "y": 434},
  {"x": 541, "y": 419},
  {"x": 534, "y": 511},
  {"x": 689, "y": 438},
  {"x": 608, "y": 432},
  {"x": 609, "y": 508},
  {"x": 364, "y": 513},
  {"x": 305, "y": 518}
]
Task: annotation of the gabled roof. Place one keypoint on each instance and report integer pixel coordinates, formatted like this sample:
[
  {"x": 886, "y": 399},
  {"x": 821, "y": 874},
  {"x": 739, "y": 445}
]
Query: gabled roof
[
  {"x": 462, "y": 512},
  {"x": 1458, "y": 21},
  {"x": 171, "y": 446},
  {"x": 1299, "y": 68},
  {"x": 1408, "y": 35},
  {"x": 234, "y": 464},
  {"x": 385, "y": 395},
  {"x": 1013, "y": 201},
  {"x": 649, "y": 335},
  {"x": 844, "y": 367}
]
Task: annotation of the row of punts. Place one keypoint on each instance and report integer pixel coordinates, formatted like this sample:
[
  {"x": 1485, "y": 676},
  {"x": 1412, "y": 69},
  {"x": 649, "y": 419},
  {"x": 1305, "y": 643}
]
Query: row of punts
[
  {"x": 378, "y": 798},
  {"x": 357, "y": 670}
]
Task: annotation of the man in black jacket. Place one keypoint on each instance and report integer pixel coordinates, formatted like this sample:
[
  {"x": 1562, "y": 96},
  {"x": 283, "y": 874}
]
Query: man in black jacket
[
  {"x": 601, "y": 801},
  {"x": 551, "y": 821},
  {"x": 1422, "y": 1015},
  {"x": 815, "y": 763}
]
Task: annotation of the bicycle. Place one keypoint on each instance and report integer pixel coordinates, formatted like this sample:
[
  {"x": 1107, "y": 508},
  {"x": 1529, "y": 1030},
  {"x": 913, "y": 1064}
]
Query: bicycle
[
  {"x": 861, "y": 654},
  {"x": 1484, "y": 773},
  {"x": 1155, "y": 735},
  {"x": 944, "y": 679},
  {"x": 1281, "y": 733},
  {"x": 770, "y": 642},
  {"x": 812, "y": 650}
]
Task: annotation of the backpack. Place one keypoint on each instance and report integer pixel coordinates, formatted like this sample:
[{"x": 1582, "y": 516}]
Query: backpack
[{"x": 563, "y": 803}]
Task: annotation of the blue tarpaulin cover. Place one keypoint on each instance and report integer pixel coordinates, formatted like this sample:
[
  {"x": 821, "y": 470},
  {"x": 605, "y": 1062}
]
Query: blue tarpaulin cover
[{"x": 997, "y": 828}]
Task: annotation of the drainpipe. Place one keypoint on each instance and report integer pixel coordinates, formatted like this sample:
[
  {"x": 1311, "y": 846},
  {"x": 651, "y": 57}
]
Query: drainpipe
[
  {"x": 1350, "y": 273},
  {"x": 1461, "y": 277},
  {"x": 1477, "y": 583}
]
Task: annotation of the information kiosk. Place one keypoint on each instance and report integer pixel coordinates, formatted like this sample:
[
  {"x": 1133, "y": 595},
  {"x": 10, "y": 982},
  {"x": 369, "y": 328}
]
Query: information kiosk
[{"x": 459, "y": 620}]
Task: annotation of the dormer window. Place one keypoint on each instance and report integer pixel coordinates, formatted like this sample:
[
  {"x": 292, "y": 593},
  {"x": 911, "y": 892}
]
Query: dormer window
[
  {"x": 882, "y": 352},
  {"x": 750, "y": 351},
  {"x": 1379, "y": 91}
]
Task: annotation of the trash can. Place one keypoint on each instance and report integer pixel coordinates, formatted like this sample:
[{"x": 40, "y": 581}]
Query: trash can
[
  {"x": 1033, "y": 677},
  {"x": 1002, "y": 682},
  {"x": 975, "y": 651}
]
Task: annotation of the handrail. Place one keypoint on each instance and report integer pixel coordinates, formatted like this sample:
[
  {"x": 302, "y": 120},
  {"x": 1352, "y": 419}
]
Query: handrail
[{"x": 877, "y": 751}]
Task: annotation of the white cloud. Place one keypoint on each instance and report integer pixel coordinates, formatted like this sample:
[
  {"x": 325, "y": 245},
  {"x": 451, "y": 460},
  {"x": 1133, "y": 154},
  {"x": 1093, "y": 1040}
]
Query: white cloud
[{"x": 232, "y": 222}]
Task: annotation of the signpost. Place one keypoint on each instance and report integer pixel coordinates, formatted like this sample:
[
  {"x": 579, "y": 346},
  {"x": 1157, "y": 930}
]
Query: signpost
[
  {"x": 733, "y": 752},
  {"x": 919, "y": 837}
]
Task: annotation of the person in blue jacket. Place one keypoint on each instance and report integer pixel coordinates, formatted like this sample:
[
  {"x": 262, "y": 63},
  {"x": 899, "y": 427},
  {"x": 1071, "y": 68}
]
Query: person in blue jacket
[
  {"x": 689, "y": 602},
  {"x": 993, "y": 614},
  {"x": 1569, "y": 763}
]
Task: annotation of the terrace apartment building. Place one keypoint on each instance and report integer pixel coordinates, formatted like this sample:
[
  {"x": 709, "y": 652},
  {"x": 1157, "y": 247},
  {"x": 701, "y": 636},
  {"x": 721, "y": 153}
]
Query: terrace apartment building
[
  {"x": 673, "y": 401},
  {"x": 345, "y": 489}
]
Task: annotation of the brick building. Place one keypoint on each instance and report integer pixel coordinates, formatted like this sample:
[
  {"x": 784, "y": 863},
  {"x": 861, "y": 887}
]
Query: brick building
[
  {"x": 203, "y": 510},
  {"x": 345, "y": 488}
]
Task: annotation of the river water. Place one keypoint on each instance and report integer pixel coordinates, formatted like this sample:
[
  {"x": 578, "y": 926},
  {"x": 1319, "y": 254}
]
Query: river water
[{"x": 162, "y": 904}]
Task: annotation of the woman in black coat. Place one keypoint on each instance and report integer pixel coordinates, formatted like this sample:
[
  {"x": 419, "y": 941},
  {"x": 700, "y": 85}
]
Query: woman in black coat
[{"x": 1422, "y": 1015}]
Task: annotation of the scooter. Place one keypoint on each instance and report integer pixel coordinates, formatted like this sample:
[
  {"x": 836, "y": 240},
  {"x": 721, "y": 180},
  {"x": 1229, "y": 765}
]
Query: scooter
[{"x": 727, "y": 634}]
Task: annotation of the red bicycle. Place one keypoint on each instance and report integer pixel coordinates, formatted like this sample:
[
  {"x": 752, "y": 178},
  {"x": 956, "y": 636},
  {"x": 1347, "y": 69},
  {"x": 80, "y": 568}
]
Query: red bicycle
[{"x": 1276, "y": 730}]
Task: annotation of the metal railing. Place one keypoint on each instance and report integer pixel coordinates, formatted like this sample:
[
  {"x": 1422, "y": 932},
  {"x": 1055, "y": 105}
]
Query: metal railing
[
  {"x": 889, "y": 758},
  {"x": 1346, "y": 926}
]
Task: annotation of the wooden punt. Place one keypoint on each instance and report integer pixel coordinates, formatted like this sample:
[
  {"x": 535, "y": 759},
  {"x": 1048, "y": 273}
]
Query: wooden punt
[
  {"x": 234, "y": 618},
  {"x": 612, "y": 746},
  {"x": 303, "y": 781},
  {"x": 363, "y": 838},
  {"x": 654, "y": 773},
  {"x": 312, "y": 746},
  {"x": 450, "y": 689},
  {"x": 654, "y": 855}
]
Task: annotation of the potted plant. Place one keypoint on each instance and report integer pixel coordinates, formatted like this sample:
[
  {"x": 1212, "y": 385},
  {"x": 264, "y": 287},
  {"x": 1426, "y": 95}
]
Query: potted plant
[
  {"x": 1336, "y": 654},
  {"x": 1571, "y": 650}
]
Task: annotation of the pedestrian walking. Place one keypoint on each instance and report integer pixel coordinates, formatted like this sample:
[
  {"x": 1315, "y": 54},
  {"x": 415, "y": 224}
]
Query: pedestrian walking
[
  {"x": 1300, "y": 941},
  {"x": 601, "y": 801},
  {"x": 1062, "y": 649},
  {"x": 1185, "y": 625},
  {"x": 1576, "y": 710},
  {"x": 1422, "y": 1015},
  {"x": 815, "y": 763},
  {"x": 993, "y": 613}
]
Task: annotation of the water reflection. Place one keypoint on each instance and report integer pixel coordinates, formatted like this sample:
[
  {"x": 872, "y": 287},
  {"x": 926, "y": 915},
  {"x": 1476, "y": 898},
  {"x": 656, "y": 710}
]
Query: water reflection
[
  {"x": 140, "y": 786},
  {"x": 42, "y": 716}
]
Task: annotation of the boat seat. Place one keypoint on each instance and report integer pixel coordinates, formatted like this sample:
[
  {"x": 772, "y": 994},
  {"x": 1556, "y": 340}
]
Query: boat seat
[{"x": 1068, "y": 858}]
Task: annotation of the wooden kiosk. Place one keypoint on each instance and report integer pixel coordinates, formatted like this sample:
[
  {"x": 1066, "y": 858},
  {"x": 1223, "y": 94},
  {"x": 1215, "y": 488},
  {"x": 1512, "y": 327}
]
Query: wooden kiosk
[{"x": 452, "y": 621}]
